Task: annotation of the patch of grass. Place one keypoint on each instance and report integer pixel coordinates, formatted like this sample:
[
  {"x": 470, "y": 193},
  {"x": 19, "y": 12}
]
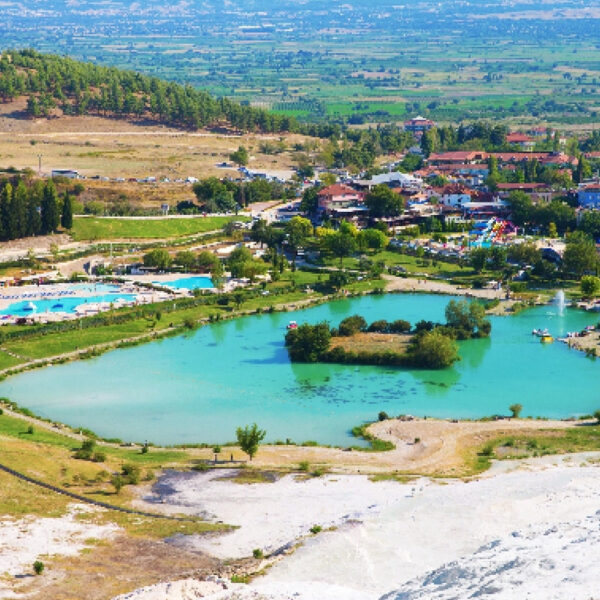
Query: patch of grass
[
  {"x": 583, "y": 437},
  {"x": 399, "y": 477},
  {"x": 148, "y": 527},
  {"x": 251, "y": 475},
  {"x": 92, "y": 228},
  {"x": 375, "y": 444}
]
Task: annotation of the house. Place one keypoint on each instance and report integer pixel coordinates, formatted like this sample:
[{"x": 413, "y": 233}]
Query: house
[
  {"x": 418, "y": 126},
  {"x": 588, "y": 195},
  {"x": 520, "y": 139},
  {"x": 538, "y": 192},
  {"x": 554, "y": 159},
  {"x": 68, "y": 173},
  {"x": 339, "y": 196},
  {"x": 456, "y": 157},
  {"x": 541, "y": 132},
  {"x": 393, "y": 179},
  {"x": 453, "y": 194}
]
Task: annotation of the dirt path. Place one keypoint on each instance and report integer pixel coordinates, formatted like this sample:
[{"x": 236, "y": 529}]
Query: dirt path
[{"x": 424, "y": 447}]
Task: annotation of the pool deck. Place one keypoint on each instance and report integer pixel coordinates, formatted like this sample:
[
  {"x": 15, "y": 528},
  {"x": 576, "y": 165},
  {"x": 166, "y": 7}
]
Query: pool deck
[{"x": 58, "y": 291}]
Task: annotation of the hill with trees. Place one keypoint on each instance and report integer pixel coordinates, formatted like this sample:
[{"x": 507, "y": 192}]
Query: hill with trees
[{"x": 52, "y": 82}]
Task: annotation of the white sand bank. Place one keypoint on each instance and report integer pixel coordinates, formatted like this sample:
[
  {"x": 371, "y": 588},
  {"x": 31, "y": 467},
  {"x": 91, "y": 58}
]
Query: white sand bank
[
  {"x": 271, "y": 515},
  {"x": 398, "y": 541}
]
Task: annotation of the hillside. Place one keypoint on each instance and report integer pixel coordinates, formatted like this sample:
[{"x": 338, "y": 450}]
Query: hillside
[{"x": 60, "y": 85}]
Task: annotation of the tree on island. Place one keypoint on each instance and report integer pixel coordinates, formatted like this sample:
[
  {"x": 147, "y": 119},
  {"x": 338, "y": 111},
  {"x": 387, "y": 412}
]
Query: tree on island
[
  {"x": 467, "y": 319},
  {"x": 249, "y": 438},
  {"x": 515, "y": 409},
  {"x": 433, "y": 350},
  {"x": 352, "y": 325},
  {"x": 308, "y": 342}
]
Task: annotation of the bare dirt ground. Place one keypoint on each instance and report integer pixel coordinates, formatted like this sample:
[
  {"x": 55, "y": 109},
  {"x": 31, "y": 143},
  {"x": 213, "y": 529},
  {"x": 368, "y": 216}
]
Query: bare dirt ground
[
  {"x": 120, "y": 566},
  {"x": 440, "y": 450},
  {"x": 438, "y": 287},
  {"x": 122, "y": 148}
]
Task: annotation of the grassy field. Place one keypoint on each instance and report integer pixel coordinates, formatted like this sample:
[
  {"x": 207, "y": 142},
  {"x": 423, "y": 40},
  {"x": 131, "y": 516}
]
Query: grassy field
[
  {"x": 93, "y": 228},
  {"x": 104, "y": 147},
  {"x": 372, "y": 342},
  {"x": 20, "y": 450}
]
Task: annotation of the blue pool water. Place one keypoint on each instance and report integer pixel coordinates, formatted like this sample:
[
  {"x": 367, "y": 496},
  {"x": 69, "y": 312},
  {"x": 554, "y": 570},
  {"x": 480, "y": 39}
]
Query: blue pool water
[
  {"x": 200, "y": 386},
  {"x": 66, "y": 304},
  {"x": 188, "y": 283}
]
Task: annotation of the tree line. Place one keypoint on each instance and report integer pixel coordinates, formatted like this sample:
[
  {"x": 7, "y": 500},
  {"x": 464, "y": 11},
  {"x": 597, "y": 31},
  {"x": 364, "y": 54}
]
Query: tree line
[{"x": 32, "y": 210}]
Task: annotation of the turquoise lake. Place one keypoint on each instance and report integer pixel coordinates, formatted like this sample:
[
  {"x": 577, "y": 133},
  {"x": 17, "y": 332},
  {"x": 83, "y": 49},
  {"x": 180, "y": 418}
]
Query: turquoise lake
[{"x": 199, "y": 387}]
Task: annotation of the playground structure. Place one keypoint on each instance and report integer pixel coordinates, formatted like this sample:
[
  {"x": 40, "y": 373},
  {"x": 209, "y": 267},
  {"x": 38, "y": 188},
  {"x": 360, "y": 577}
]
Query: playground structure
[{"x": 491, "y": 232}]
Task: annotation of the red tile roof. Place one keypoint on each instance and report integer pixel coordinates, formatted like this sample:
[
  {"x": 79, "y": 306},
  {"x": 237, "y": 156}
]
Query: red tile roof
[
  {"x": 338, "y": 189},
  {"x": 517, "y": 138}
]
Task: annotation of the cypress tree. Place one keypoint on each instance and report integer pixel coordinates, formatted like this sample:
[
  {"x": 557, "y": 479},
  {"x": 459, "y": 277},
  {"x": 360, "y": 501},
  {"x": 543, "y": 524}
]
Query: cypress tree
[
  {"x": 5, "y": 210},
  {"x": 34, "y": 220},
  {"x": 66, "y": 219},
  {"x": 50, "y": 215},
  {"x": 19, "y": 209}
]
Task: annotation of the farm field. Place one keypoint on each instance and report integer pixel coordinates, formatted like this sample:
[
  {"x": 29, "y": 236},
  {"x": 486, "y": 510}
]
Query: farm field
[{"x": 370, "y": 62}]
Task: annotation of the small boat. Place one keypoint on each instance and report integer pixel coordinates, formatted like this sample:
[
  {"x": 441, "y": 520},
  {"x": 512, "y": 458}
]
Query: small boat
[
  {"x": 546, "y": 339},
  {"x": 58, "y": 305},
  {"x": 292, "y": 325},
  {"x": 540, "y": 332},
  {"x": 29, "y": 307}
]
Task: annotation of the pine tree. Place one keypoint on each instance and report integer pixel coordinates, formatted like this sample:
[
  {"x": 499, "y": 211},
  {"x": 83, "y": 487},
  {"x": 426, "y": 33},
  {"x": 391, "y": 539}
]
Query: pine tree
[
  {"x": 66, "y": 219},
  {"x": 50, "y": 216}
]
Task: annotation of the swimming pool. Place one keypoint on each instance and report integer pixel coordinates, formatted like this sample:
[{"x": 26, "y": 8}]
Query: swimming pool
[
  {"x": 65, "y": 304},
  {"x": 188, "y": 283}
]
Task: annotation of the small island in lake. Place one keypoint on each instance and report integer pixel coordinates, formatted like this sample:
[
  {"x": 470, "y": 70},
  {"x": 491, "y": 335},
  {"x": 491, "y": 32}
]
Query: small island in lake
[{"x": 427, "y": 345}]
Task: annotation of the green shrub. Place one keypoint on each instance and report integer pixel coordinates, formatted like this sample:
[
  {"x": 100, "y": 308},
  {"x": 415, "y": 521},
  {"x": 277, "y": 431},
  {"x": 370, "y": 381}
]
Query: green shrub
[
  {"x": 316, "y": 529},
  {"x": 487, "y": 450},
  {"x": 257, "y": 553},
  {"x": 304, "y": 466},
  {"x": 131, "y": 473},
  {"x": 38, "y": 567},
  {"x": 98, "y": 457},
  {"x": 515, "y": 409}
]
